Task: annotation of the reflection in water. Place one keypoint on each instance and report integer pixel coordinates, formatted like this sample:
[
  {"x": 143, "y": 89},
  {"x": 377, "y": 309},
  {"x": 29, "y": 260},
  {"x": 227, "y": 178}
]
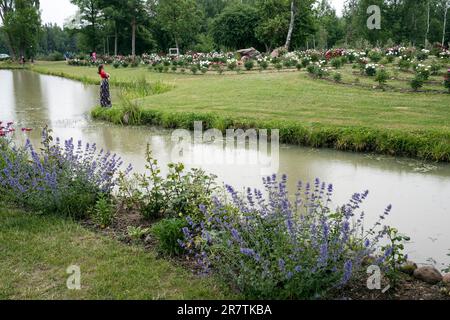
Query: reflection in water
[{"x": 419, "y": 192}]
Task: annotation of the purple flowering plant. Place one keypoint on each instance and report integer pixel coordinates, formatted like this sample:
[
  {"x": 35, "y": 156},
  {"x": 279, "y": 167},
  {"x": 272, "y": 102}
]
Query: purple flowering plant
[
  {"x": 270, "y": 245},
  {"x": 62, "y": 177}
]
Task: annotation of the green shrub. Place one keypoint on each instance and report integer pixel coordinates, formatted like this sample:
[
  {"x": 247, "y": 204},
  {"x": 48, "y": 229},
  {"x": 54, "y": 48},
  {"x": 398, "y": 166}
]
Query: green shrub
[
  {"x": 194, "y": 69},
  {"x": 382, "y": 76},
  {"x": 264, "y": 65},
  {"x": 178, "y": 194},
  {"x": 103, "y": 214},
  {"x": 435, "y": 68},
  {"x": 336, "y": 63},
  {"x": 422, "y": 55},
  {"x": 404, "y": 64},
  {"x": 447, "y": 81},
  {"x": 65, "y": 180},
  {"x": 249, "y": 65},
  {"x": 375, "y": 56},
  {"x": 417, "y": 82},
  {"x": 337, "y": 77},
  {"x": 288, "y": 63},
  {"x": 305, "y": 62},
  {"x": 278, "y": 66},
  {"x": 232, "y": 65},
  {"x": 169, "y": 232},
  {"x": 116, "y": 64}
]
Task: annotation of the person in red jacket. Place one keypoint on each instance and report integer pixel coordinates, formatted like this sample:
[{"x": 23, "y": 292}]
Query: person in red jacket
[{"x": 105, "y": 96}]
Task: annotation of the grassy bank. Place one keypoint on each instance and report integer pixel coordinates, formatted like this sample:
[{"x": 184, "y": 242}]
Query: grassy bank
[
  {"x": 36, "y": 251},
  {"x": 307, "y": 111}
]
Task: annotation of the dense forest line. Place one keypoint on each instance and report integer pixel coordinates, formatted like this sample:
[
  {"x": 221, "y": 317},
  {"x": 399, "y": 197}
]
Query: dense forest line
[{"x": 138, "y": 26}]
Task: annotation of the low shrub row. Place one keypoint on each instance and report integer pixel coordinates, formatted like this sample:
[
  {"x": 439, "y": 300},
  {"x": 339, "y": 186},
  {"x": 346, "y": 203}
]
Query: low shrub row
[{"x": 429, "y": 145}]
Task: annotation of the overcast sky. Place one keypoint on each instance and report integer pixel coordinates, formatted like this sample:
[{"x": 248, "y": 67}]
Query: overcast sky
[{"x": 56, "y": 11}]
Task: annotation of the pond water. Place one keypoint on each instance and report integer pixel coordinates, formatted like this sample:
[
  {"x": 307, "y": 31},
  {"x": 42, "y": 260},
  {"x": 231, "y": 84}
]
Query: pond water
[{"x": 419, "y": 192}]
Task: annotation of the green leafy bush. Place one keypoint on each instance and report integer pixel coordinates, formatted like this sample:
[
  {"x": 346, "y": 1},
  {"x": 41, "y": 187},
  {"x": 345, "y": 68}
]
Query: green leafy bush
[
  {"x": 337, "y": 77},
  {"x": 274, "y": 245},
  {"x": 169, "y": 233},
  {"x": 67, "y": 179},
  {"x": 180, "y": 193},
  {"x": 194, "y": 69},
  {"x": 417, "y": 82},
  {"x": 264, "y": 65},
  {"x": 404, "y": 64},
  {"x": 447, "y": 80},
  {"x": 336, "y": 63},
  {"x": 375, "y": 56},
  {"x": 382, "y": 76},
  {"x": 103, "y": 214},
  {"x": 249, "y": 65}
]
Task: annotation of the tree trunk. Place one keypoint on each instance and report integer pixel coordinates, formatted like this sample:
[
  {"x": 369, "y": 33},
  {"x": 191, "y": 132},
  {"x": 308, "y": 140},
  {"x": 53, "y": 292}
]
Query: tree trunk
[
  {"x": 445, "y": 24},
  {"x": 291, "y": 26},
  {"x": 12, "y": 50},
  {"x": 428, "y": 25},
  {"x": 115, "y": 42},
  {"x": 133, "y": 37}
]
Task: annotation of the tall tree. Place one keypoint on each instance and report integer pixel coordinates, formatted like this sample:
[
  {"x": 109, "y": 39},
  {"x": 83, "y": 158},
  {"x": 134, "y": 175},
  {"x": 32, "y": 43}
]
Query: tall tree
[
  {"x": 291, "y": 25},
  {"x": 91, "y": 21},
  {"x": 446, "y": 6},
  {"x": 21, "y": 24},
  {"x": 180, "y": 18}
]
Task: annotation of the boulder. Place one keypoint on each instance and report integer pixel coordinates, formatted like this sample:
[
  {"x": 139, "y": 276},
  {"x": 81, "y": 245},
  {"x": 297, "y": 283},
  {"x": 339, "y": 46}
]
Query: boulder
[
  {"x": 408, "y": 267},
  {"x": 446, "y": 279},
  {"x": 250, "y": 53},
  {"x": 428, "y": 274},
  {"x": 278, "y": 52}
]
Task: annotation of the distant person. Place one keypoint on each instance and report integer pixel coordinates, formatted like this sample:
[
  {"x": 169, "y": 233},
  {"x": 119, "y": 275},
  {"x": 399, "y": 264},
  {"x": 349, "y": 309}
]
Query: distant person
[
  {"x": 22, "y": 60},
  {"x": 94, "y": 57},
  {"x": 105, "y": 96}
]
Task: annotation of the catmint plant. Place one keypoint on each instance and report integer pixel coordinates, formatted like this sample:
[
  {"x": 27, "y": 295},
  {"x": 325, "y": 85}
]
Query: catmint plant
[{"x": 273, "y": 245}]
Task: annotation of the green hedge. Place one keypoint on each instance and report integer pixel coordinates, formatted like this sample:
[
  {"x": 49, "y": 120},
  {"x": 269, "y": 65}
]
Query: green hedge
[{"x": 429, "y": 145}]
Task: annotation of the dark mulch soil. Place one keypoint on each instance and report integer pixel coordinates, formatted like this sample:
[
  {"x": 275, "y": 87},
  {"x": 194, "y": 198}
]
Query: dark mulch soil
[{"x": 408, "y": 288}]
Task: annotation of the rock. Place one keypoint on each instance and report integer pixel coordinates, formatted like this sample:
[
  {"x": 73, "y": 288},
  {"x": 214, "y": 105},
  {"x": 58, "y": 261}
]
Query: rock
[
  {"x": 126, "y": 118},
  {"x": 408, "y": 267},
  {"x": 428, "y": 274},
  {"x": 446, "y": 279},
  {"x": 278, "y": 52},
  {"x": 250, "y": 53}
]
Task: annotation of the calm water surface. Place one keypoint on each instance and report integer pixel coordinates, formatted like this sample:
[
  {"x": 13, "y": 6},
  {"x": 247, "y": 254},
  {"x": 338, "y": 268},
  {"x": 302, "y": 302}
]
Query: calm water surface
[{"x": 419, "y": 192}]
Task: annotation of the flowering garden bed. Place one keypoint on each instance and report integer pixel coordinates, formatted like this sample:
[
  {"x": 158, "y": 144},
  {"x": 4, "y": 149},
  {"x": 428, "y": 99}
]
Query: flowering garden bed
[
  {"x": 427, "y": 69},
  {"x": 263, "y": 244}
]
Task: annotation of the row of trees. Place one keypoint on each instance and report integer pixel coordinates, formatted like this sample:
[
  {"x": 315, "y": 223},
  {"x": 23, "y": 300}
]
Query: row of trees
[
  {"x": 137, "y": 26},
  {"x": 418, "y": 22},
  {"x": 205, "y": 25}
]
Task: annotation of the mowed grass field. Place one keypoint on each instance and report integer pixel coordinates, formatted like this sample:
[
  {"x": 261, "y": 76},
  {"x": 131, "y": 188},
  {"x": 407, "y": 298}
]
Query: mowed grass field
[
  {"x": 290, "y": 96},
  {"x": 36, "y": 251}
]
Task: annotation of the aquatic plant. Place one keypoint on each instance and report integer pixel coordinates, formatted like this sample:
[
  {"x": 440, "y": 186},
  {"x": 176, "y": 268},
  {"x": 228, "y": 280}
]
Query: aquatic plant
[{"x": 272, "y": 246}]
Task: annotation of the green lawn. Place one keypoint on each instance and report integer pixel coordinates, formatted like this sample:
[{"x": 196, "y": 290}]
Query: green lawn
[
  {"x": 36, "y": 251},
  {"x": 289, "y": 96},
  {"x": 311, "y": 112}
]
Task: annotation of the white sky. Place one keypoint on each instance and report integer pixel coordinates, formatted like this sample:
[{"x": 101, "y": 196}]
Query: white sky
[{"x": 56, "y": 11}]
